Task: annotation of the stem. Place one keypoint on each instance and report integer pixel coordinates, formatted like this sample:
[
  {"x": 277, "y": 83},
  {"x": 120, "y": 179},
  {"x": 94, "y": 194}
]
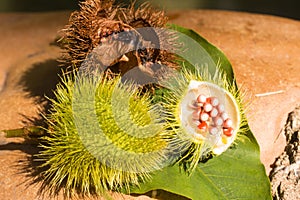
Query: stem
[{"x": 27, "y": 131}]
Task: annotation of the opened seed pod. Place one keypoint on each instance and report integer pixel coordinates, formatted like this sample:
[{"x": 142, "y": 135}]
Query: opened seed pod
[
  {"x": 204, "y": 111},
  {"x": 99, "y": 22}
]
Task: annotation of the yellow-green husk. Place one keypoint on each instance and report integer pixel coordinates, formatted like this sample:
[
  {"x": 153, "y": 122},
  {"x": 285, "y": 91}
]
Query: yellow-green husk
[{"x": 70, "y": 157}]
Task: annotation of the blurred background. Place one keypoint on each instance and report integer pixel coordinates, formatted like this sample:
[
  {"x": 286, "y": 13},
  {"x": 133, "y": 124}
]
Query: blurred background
[{"x": 284, "y": 8}]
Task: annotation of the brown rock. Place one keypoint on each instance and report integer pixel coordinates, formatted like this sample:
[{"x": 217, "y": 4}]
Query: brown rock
[
  {"x": 264, "y": 51},
  {"x": 285, "y": 173}
]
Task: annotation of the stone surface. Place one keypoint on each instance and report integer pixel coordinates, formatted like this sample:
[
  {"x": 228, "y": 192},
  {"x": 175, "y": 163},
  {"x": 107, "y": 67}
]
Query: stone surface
[
  {"x": 264, "y": 51},
  {"x": 285, "y": 173}
]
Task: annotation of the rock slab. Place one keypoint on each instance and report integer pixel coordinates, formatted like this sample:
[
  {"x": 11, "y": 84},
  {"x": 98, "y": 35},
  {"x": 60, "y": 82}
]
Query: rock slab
[{"x": 264, "y": 51}]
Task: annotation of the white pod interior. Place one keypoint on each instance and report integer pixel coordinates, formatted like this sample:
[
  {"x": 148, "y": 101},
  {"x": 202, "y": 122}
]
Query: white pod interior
[{"x": 219, "y": 141}]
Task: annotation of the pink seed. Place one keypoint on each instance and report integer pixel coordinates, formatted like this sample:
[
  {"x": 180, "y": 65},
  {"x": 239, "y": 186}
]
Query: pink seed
[
  {"x": 204, "y": 116},
  {"x": 214, "y": 101},
  {"x": 228, "y": 131},
  {"x": 221, "y": 108},
  {"x": 218, "y": 121},
  {"x": 207, "y": 107},
  {"x": 214, "y": 112},
  {"x": 224, "y": 116},
  {"x": 227, "y": 123},
  {"x": 203, "y": 126},
  {"x": 213, "y": 130},
  {"x": 201, "y": 98}
]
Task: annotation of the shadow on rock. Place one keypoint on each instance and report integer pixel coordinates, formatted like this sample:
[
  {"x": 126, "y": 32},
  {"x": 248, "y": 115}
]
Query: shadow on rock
[
  {"x": 41, "y": 79},
  {"x": 38, "y": 82}
]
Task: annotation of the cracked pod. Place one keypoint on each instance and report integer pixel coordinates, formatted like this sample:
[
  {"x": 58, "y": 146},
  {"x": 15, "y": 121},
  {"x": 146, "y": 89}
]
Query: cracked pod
[
  {"x": 100, "y": 21},
  {"x": 204, "y": 112}
]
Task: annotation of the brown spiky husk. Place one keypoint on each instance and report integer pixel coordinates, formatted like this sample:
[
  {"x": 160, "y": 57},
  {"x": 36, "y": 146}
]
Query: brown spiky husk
[{"x": 98, "y": 19}]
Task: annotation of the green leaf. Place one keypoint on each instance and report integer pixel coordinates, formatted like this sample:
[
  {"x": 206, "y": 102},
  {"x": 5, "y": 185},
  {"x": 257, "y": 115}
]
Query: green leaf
[
  {"x": 197, "y": 52},
  {"x": 237, "y": 173}
]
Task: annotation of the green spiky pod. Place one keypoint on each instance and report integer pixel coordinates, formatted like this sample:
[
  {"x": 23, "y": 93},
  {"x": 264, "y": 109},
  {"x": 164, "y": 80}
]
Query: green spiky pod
[
  {"x": 98, "y": 21},
  {"x": 204, "y": 111},
  {"x": 102, "y": 136}
]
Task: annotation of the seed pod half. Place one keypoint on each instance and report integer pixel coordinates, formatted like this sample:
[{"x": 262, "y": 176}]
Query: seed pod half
[
  {"x": 208, "y": 135},
  {"x": 99, "y": 22}
]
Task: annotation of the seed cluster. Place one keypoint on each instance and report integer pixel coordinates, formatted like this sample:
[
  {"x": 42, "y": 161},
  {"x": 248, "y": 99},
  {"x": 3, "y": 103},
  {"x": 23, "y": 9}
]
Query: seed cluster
[{"x": 210, "y": 117}]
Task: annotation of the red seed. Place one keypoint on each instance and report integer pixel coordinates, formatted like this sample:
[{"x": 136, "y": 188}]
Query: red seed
[
  {"x": 214, "y": 112},
  {"x": 201, "y": 98},
  {"x": 204, "y": 116},
  {"x": 214, "y": 101},
  {"x": 218, "y": 121},
  {"x": 203, "y": 126},
  {"x": 227, "y": 123},
  {"x": 207, "y": 107},
  {"x": 228, "y": 131}
]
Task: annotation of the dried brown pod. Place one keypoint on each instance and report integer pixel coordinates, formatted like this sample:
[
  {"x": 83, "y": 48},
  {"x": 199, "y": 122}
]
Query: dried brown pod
[{"x": 104, "y": 31}]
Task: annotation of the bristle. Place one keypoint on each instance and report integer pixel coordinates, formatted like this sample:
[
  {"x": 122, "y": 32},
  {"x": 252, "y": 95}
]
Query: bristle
[
  {"x": 203, "y": 130},
  {"x": 96, "y": 20},
  {"x": 117, "y": 149}
]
